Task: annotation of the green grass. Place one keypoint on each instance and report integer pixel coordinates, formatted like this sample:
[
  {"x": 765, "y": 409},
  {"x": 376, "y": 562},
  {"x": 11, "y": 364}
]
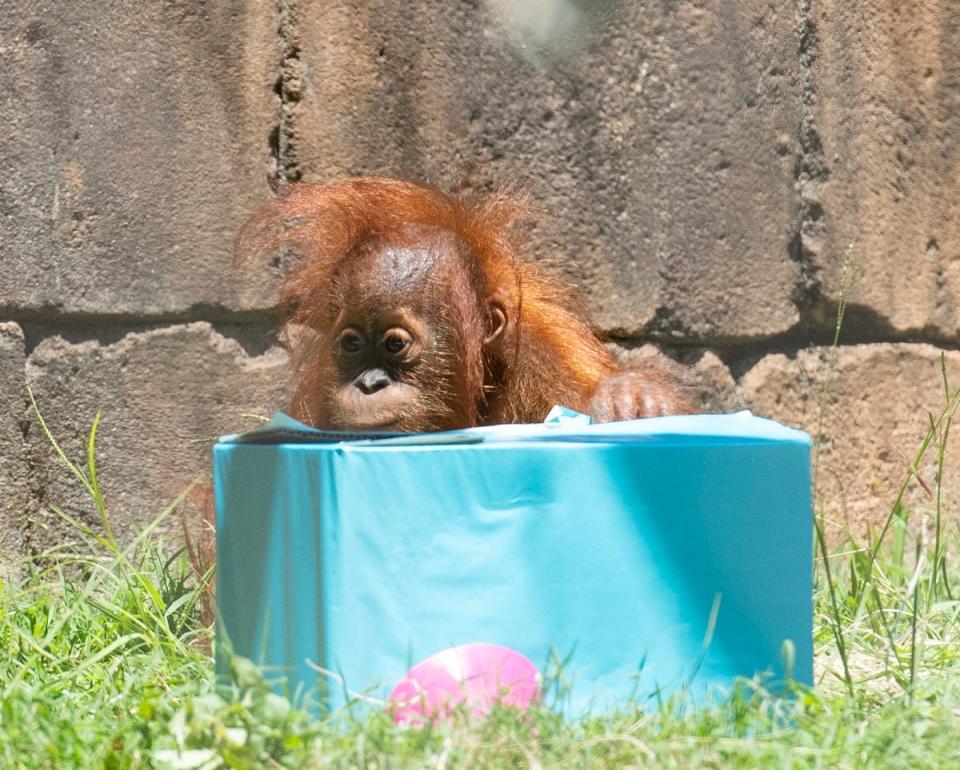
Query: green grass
[
  {"x": 103, "y": 663},
  {"x": 108, "y": 672}
]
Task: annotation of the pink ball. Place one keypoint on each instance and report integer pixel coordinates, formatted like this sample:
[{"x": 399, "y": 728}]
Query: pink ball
[{"x": 477, "y": 675}]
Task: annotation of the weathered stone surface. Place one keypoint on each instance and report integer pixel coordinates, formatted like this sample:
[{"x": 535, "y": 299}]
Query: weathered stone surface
[
  {"x": 660, "y": 136},
  {"x": 14, "y": 471},
  {"x": 886, "y": 103},
  {"x": 136, "y": 139},
  {"x": 719, "y": 391},
  {"x": 876, "y": 413},
  {"x": 706, "y": 379},
  {"x": 164, "y": 396}
]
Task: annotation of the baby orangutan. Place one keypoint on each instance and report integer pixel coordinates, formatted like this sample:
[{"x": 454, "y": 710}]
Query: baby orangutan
[{"x": 412, "y": 310}]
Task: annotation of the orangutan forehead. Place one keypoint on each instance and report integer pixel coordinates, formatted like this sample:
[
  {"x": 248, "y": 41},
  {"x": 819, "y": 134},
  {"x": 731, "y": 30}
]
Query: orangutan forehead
[{"x": 404, "y": 267}]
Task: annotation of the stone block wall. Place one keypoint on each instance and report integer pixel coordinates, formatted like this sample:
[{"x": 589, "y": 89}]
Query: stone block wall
[{"x": 707, "y": 169}]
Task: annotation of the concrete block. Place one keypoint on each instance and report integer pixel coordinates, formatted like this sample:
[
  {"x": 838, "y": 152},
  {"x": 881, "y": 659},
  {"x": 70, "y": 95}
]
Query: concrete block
[
  {"x": 164, "y": 395},
  {"x": 876, "y": 411},
  {"x": 882, "y": 177},
  {"x": 659, "y": 137},
  {"x": 14, "y": 469},
  {"x": 136, "y": 140}
]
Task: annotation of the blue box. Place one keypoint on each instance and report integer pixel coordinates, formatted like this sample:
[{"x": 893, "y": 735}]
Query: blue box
[{"x": 649, "y": 552}]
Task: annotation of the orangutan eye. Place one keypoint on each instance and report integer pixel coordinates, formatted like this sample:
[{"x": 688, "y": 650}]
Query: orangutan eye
[
  {"x": 396, "y": 341},
  {"x": 351, "y": 341}
]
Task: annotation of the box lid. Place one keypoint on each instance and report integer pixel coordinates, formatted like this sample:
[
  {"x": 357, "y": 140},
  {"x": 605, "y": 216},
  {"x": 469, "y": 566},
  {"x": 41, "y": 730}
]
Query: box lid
[{"x": 564, "y": 426}]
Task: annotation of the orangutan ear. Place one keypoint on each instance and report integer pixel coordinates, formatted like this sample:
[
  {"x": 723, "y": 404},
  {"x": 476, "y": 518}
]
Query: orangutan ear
[{"x": 496, "y": 319}]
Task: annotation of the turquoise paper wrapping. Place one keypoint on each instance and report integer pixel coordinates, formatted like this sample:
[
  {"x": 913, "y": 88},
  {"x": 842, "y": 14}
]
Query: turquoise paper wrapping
[{"x": 615, "y": 545}]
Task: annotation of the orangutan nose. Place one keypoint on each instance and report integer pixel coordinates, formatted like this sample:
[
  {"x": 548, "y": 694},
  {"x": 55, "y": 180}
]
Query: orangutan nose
[{"x": 372, "y": 380}]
